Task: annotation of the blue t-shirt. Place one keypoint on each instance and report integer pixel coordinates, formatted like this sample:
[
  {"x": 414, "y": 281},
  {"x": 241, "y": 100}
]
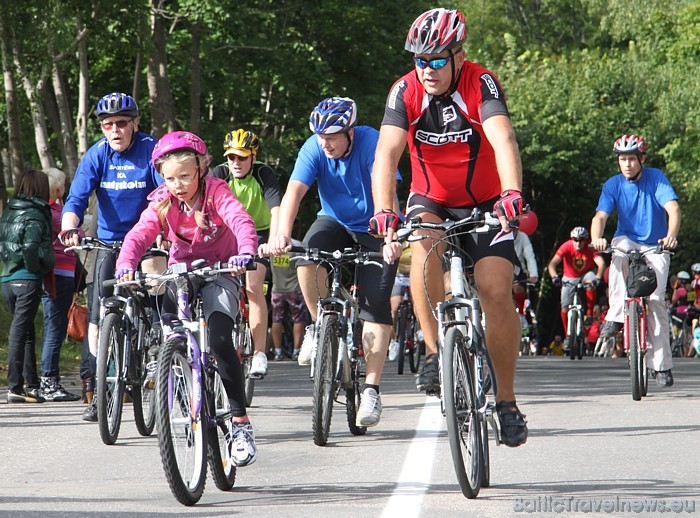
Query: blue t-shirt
[
  {"x": 344, "y": 185},
  {"x": 640, "y": 205},
  {"x": 121, "y": 180}
]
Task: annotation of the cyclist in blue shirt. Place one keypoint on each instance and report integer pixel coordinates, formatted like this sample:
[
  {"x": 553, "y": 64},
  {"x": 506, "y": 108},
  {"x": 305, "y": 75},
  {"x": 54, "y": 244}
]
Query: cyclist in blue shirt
[
  {"x": 644, "y": 199},
  {"x": 118, "y": 170},
  {"x": 339, "y": 157}
]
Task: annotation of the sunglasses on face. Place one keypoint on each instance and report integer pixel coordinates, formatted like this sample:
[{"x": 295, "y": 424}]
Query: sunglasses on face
[
  {"x": 121, "y": 124},
  {"x": 233, "y": 157},
  {"x": 435, "y": 64},
  {"x": 580, "y": 240}
]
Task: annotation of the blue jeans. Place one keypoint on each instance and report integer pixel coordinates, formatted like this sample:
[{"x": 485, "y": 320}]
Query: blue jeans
[
  {"x": 22, "y": 297},
  {"x": 55, "y": 323}
]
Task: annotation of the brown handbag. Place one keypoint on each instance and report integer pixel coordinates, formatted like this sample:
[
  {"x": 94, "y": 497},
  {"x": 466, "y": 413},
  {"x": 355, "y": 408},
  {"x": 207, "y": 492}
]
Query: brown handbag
[{"x": 77, "y": 320}]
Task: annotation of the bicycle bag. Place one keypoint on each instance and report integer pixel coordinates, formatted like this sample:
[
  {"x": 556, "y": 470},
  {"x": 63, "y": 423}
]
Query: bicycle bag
[{"x": 641, "y": 278}]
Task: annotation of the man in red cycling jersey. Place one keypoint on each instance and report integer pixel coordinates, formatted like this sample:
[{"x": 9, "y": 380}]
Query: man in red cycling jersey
[
  {"x": 578, "y": 261},
  {"x": 463, "y": 155}
]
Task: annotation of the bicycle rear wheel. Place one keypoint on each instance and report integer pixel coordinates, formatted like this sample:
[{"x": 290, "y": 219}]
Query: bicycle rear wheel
[
  {"x": 245, "y": 342},
  {"x": 353, "y": 396},
  {"x": 181, "y": 435},
  {"x": 223, "y": 469},
  {"x": 324, "y": 379},
  {"x": 634, "y": 352},
  {"x": 402, "y": 330},
  {"x": 110, "y": 382},
  {"x": 142, "y": 391},
  {"x": 463, "y": 427}
]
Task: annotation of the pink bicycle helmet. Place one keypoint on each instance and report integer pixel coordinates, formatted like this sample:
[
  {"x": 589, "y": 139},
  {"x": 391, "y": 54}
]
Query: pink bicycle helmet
[
  {"x": 436, "y": 30},
  {"x": 178, "y": 141}
]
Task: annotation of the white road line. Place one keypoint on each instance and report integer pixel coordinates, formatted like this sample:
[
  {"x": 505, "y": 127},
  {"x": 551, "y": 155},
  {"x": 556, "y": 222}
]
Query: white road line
[{"x": 414, "y": 480}]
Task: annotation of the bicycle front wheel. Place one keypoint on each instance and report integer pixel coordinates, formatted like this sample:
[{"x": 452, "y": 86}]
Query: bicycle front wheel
[
  {"x": 181, "y": 435},
  {"x": 324, "y": 379},
  {"x": 571, "y": 338},
  {"x": 634, "y": 352},
  {"x": 223, "y": 469},
  {"x": 414, "y": 351},
  {"x": 402, "y": 329},
  {"x": 110, "y": 381},
  {"x": 463, "y": 427}
]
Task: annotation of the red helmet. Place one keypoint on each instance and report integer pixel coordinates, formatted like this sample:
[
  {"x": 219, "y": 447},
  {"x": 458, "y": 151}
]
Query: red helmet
[
  {"x": 436, "y": 30},
  {"x": 528, "y": 223},
  {"x": 177, "y": 141},
  {"x": 628, "y": 144}
]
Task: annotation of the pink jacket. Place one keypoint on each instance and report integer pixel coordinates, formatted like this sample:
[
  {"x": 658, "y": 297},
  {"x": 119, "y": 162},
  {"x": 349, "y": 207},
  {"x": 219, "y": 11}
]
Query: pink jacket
[{"x": 231, "y": 230}]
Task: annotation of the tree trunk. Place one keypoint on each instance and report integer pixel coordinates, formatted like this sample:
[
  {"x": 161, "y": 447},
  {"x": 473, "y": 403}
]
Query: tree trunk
[
  {"x": 66, "y": 134},
  {"x": 11, "y": 102},
  {"x": 37, "y": 110},
  {"x": 196, "y": 80},
  {"x": 81, "y": 119},
  {"x": 161, "y": 99}
]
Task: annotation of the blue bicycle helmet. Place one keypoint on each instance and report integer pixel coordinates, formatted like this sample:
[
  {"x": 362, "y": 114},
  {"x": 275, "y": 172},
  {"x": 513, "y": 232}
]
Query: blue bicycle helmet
[
  {"x": 333, "y": 115},
  {"x": 117, "y": 104}
]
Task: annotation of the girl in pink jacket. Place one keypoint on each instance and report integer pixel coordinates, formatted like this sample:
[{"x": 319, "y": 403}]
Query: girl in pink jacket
[{"x": 202, "y": 219}]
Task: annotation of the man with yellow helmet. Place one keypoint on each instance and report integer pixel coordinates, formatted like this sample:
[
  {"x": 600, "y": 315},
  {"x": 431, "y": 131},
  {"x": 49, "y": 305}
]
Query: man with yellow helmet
[{"x": 256, "y": 187}]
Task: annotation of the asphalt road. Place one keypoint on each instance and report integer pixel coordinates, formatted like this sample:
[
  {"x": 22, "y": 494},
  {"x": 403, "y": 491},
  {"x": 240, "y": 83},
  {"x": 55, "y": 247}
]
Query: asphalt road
[{"x": 590, "y": 445}]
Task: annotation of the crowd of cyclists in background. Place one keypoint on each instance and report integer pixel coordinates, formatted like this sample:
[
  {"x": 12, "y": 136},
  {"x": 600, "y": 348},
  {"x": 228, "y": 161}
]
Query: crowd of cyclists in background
[{"x": 162, "y": 191}]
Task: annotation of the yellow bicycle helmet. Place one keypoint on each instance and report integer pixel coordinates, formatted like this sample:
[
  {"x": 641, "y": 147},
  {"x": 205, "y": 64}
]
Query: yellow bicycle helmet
[{"x": 241, "y": 142}]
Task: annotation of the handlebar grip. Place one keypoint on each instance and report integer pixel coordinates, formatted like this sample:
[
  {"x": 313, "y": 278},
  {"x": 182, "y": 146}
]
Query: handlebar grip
[{"x": 109, "y": 283}]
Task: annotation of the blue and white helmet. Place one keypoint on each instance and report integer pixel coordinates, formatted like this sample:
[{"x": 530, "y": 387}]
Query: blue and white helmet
[
  {"x": 117, "y": 104},
  {"x": 333, "y": 115}
]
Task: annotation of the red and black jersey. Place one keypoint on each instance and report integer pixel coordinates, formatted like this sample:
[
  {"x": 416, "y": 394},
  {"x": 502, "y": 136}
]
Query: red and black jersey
[{"x": 452, "y": 161}]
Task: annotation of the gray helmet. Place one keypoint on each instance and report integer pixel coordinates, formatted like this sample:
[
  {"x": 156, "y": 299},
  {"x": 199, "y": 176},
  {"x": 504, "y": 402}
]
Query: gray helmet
[{"x": 683, "y": 276}]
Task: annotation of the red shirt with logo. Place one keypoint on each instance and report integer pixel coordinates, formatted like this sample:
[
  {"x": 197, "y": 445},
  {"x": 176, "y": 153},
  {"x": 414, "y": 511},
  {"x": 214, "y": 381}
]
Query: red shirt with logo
[
  {"x": 576, "y": 263},
  {"x": 452, "y": 161}
]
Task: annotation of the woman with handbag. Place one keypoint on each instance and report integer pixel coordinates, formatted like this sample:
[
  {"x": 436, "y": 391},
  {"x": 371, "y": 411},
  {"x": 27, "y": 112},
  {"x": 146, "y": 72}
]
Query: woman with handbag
[{"x": 57, "y": 305}]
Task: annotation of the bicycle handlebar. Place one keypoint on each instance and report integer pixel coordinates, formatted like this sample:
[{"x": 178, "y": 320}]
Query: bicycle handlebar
[
  {"x": 198, "y": 269},
  {"x": 338, "y": 256},
  {"x": 477, "y": 221}
]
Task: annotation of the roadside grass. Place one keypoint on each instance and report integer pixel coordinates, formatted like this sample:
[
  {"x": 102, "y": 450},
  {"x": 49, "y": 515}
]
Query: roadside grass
[{"x": 71, "y": 351}]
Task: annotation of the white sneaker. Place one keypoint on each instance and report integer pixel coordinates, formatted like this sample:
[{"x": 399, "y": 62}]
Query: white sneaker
[
  {"x": 370, "y": 408},
  {"x": 308, "y": 346},
  {"x": 241, "y": 443},
  {"x": 393, "y": 350},
  {"x": 259, "y": 365}
]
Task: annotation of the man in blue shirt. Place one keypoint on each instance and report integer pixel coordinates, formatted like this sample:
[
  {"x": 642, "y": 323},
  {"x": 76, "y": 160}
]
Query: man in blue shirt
[
  {"x": 643, "y": 198},
  {"x": 119, "y": 171},
  {"x": 339, "y": 157}
]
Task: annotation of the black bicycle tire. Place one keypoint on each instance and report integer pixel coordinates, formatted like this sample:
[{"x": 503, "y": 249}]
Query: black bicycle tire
[
  {"x": 401, "y": 327},
  {"x": 414, "y": 353},
  {"x": 353, "y": 398},
  {"x": 223, "y": 470},
  {"x": 111, "y": 337},
  {"x": 247, "y": 363},
  {"x": 456, "y": 359},
  {"x": 324, "y": 379},
  {"x": 143, "y": 397},
  {"x": 571, "y": 337},
  {"x": 634, "y": 349},
  {"x": 180, "y": 489}
]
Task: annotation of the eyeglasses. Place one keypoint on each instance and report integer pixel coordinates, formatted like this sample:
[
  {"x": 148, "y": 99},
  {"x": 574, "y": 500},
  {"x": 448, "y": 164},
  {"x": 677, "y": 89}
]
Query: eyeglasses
[
  {"x": 121, "y": 124},
  {"x": 435, "y": 64},
  {"x": 580, "y": 240},
  {"x": 233, "y": 157},
  {"x": 184, "y": 180}
]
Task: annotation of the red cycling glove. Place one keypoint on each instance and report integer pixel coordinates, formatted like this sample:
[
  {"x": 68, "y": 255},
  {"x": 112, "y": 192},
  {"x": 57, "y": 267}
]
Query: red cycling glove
[
  {"x": 382, "y": 221},
  {"x": 510, "y": 205}
]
